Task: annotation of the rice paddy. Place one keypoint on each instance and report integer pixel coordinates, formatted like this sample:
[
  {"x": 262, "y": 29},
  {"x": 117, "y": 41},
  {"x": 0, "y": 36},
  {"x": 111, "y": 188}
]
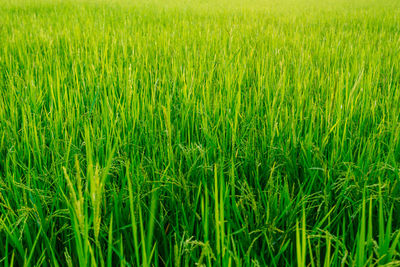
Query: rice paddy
[{"x": 210, "y": 133}]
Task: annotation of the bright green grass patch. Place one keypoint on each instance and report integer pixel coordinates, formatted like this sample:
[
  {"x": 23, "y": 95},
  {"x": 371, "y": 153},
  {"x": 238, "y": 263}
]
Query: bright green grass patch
[{"x": 190, "y": 132}]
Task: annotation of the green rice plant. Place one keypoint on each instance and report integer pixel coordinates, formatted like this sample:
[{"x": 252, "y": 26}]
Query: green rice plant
[{"x": 210, "y": 133}]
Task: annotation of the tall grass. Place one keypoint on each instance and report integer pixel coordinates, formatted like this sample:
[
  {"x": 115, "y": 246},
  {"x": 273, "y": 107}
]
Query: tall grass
[{"x": 176, "y": 133}]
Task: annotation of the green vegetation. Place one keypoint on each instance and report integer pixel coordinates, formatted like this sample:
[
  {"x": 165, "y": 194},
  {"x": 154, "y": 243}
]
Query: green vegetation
[{"x": 244, "y": 133}]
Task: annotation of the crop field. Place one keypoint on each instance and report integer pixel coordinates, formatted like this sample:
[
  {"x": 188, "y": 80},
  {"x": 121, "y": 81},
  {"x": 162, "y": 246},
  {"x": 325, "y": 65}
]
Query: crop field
[{"x": 199, "y": 133}]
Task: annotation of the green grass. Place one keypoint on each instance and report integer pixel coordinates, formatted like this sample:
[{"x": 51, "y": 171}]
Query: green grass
[{"x": 217, "y": 133}]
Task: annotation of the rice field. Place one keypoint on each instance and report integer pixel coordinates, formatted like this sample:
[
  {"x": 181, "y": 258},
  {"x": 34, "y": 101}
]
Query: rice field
[{"x": 198, "y": 132}]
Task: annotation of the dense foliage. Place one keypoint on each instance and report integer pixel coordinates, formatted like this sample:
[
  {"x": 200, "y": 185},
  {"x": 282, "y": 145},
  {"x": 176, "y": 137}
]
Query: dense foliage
[{"x": 191, "y": 132}]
